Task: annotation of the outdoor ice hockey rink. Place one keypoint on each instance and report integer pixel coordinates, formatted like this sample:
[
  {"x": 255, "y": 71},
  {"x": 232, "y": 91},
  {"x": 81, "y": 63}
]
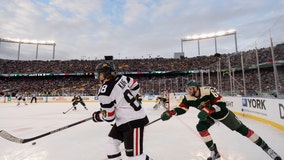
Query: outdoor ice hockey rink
[{"x": 164, "y": 140}]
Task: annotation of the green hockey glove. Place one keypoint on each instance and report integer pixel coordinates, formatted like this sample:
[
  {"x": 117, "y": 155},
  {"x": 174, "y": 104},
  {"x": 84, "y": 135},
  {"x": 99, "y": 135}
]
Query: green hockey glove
[
  {"x": 204, "y": 113},
  {"x": 167, "y": 114}
]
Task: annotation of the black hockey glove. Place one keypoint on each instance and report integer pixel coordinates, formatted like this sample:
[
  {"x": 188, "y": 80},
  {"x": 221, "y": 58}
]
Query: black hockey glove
[{"x": 97, "y": 116}]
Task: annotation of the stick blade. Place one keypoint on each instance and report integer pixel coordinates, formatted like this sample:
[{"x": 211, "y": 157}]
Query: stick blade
[{"x": 10, "y": 137}]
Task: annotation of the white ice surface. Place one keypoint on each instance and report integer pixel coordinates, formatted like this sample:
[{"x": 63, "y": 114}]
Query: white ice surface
[{"x": 175, "y": 139}]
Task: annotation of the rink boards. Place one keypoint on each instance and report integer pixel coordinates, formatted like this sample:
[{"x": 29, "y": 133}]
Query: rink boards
[{"x": 266, "y": 110}]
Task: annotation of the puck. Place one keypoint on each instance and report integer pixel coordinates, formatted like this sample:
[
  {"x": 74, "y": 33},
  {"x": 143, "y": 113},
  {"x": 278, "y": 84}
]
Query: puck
[{"x": 34, "y": 143}]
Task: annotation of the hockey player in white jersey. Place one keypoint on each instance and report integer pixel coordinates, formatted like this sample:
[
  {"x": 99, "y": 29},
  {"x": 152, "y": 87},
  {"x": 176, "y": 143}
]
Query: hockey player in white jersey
[
  {"x": 117, "y": 97},
  {"x": 20, "y": 97},
  {"x": 161, "y": 100}
]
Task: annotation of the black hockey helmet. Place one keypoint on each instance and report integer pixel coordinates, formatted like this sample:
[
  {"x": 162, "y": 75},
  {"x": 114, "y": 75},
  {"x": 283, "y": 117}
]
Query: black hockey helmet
[
  {"x": 191, "y": 83},
  {"x": 105, "y": 67}
]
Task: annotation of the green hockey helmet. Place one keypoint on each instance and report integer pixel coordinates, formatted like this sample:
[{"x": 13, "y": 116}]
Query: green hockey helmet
[{"x": 191, "y": 83}]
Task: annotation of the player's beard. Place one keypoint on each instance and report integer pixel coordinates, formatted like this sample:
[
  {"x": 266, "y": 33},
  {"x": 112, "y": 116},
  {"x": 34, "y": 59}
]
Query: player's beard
[{"x": 194, "y": 91}]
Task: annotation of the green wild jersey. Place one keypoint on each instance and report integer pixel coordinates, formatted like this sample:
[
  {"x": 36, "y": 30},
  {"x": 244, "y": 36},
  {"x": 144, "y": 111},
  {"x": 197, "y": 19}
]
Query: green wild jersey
[{"x": 209, "y": 97}]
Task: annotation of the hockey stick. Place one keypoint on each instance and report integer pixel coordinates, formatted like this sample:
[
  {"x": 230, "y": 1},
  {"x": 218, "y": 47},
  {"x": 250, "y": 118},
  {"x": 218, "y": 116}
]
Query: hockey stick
[
  {"x": 12, "y": 138},
  {"x": 153, "y": 121},
  {"x": 4, "y": 134},
  {"x": 148, "y": 123},
  {"x": 68, "y": 110}
]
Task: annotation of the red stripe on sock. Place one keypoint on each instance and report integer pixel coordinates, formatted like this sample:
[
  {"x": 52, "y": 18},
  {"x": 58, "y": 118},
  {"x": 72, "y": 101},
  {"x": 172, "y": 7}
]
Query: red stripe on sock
[
  {"x": 250, "y": 132},
  {"x": 204, "y": 133},
  {"x": 136, "y": 141}
]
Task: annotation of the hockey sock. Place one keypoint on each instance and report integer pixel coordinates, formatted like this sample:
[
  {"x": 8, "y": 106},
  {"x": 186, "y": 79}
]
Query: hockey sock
[
  {"x": 206, "y": 137},
  {"x": 252, "y": 136},
  {"x": 256, "y": 139}
]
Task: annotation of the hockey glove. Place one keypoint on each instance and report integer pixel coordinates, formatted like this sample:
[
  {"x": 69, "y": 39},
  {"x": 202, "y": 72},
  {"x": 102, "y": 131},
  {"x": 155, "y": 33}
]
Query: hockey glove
[
  {"x": 97, "y": 116},
  {"x": 167, "y": 114},
  {"x": 204, "y": 113}
]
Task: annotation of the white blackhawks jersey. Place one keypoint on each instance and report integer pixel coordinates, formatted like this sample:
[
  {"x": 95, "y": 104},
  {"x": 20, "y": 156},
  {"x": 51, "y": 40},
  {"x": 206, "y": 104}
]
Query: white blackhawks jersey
[{"x": 118, "y": 100}]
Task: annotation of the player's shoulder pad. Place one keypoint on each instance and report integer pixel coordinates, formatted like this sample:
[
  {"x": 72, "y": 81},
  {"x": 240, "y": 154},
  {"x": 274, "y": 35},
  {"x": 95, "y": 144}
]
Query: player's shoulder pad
[
  {"x": 190, "y": 98},
  {"x": 107, "y": 87},
  {"x": 204, "y": 90}
]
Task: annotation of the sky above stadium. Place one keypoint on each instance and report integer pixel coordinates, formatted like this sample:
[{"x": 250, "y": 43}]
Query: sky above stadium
[{"x": 92, "y": 29}]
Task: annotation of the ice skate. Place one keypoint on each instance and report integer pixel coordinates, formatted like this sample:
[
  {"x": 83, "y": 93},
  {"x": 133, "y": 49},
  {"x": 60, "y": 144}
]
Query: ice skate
[
  {"x": 214, "y": 154},
  {"x": 272, "y": 153}
]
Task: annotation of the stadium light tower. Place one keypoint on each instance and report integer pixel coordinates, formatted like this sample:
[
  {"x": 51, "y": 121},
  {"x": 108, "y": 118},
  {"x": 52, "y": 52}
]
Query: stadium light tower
[
  {"x": 209, "y": 36},
  {"x": 35, "y": 42},
  {"x": 215, "y": 36}
]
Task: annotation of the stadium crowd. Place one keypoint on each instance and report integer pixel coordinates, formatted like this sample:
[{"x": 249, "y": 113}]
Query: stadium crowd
[{"x": 205, "y": 70}]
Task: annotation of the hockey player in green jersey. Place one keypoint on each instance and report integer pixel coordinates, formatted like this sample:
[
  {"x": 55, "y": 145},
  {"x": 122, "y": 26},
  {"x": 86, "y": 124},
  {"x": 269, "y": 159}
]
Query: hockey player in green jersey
[
  {"x": 78, "y": 99},
  {"x": 212, "y": 108}
]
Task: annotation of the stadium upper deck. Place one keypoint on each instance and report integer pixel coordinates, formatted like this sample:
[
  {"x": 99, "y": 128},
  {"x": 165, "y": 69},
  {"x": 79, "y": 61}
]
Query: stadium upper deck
[
  {"x": 155, "y": 64},
  {"x": 84, "y": 82}
]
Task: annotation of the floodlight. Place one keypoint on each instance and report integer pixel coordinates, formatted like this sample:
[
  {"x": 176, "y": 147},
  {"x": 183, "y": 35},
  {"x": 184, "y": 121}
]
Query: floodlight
[{"x": 26, "y": 41}]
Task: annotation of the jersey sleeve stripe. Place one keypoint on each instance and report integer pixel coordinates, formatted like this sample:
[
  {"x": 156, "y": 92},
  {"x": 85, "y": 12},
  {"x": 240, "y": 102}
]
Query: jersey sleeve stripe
[
  {"x": 134, "y": 82},
  {"x": 136, "y": 87},
  {"x": 109, "y": 105},
  {"x": 216, "y": 100},
  {"x": 110, "y": 114}
]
